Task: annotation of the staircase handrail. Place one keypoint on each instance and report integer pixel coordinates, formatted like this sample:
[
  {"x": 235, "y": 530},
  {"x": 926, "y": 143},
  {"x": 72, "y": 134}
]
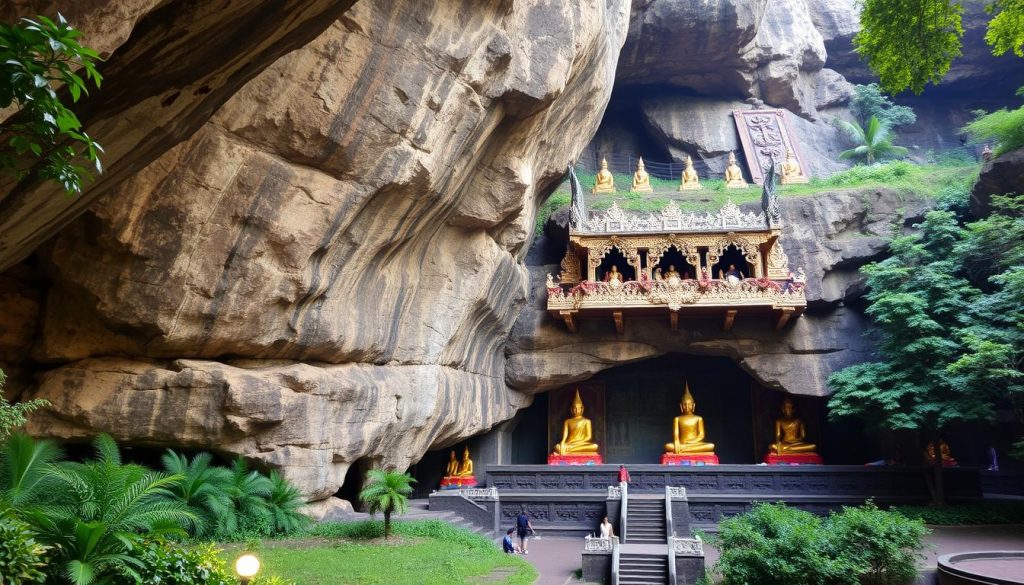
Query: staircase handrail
[
  {"x": 615, "y": 560},
  {"x": 670, "y": 535},
  {"x": 624, "y": 508}
]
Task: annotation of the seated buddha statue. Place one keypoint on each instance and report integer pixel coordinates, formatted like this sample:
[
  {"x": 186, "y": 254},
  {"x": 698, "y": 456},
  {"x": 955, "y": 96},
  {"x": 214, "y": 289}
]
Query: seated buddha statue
[
  {"x": 672, "y": 273},
  {"x": 613, "y": 275},
  {"x": 641, "y": 180},
  {"x": 733, "y": 174},
  {"x": 688, "y": 430},
  {"x": 604, "y": 182},
  {"x": 944, "y": 452},
  {"x": 791, "y": 172},
  {"x": 577, "y": 432},
  {"x": 689, "y": 181},
  {"x": 790, "y": 433},
  {"x": 466, "y": 467},
  {"x": 453, "y": 466}
]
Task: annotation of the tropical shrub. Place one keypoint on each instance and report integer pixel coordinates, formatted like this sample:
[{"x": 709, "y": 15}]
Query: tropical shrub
[
  {"x": 884, "y": 547},
  {"x": 25, "y": 478},
  {"x": 871, "y": 142},
  {"x": 249, "y": 491},
  {"x": 777, "y": 545},
  {"x": 12, "y": 416},
  {"x": 22, "y": 557},
  {"x": 387, "y": 492},
  {"x": 169, "y": 563},
  {"x": 104, "y": 508},
  {"x": 284, "y": 505},
  {"x": 204, "y": 489},
  {"x": 1003, "y": 127}
]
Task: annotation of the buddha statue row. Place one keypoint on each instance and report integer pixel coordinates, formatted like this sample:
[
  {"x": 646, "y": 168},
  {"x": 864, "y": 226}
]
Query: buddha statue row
[
  {"x": 689, "y": 180},
  {"x": 460, "y": 469},
  {"x": 688, "y": 434}
]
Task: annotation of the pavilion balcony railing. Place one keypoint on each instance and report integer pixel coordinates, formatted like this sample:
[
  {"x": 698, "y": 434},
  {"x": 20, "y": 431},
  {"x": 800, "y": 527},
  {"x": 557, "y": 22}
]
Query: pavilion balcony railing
[{"x": 675, "y": 294}]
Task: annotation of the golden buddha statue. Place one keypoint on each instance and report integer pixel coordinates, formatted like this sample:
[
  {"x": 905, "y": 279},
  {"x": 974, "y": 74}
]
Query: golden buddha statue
[
  {"x": 790, "y": 433},
  {"x": 453, "y": 466},
  {"x": 944, "y": 452},
  {"x": 641, "y": 180},
  {"x": 466, "y": 467},
  {"x": 733, "y": 174},
  {"x": 577, "y": 432},
  {"x": 613, "y": 275},
  {"x": 604, "y": 182},
  {"x": 672, "y": 273},
  {"x": 689, "y": 181},
  {"x": 688, "y": 430},
  {"x": 791, "y": 172}
]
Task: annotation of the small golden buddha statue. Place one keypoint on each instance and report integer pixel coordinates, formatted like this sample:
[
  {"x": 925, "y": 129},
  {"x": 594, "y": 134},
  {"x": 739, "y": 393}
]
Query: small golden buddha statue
[
  {"x": 689, "y": 180},
  {"x": 733, "y": 174},
  {"x": 688, "y": 430},
  {"x": 641, "y": 180},
  {"x": 791, "y": 172},
  {"x": 604, "y": 182},
  {"x": 790, "y": 433},
  {"x": 672, "y": 273},
  {"x": 453, "y": 466},
  {"x": 466, "y": 467},
  {"x": 577, "y": 432},
  {"x": 613, "y": 275}
]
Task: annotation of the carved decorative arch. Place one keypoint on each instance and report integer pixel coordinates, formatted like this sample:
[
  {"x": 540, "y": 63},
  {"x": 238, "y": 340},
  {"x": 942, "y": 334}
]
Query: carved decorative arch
[
  {"x": 689, "y": 252},
  {"x": 749, "y": 249},
  {"x": 597, "y": 253}
]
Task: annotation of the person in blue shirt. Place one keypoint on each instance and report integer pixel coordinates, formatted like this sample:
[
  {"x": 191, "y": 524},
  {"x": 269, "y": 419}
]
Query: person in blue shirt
[
  {"x": 506, "y": 543},
  {"x": 524, "y": 529}
]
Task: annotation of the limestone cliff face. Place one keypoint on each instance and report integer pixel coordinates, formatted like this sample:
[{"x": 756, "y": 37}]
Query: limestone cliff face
[
  {"x": 830, "y": 235},
  {"x": 328, "y": 270}
]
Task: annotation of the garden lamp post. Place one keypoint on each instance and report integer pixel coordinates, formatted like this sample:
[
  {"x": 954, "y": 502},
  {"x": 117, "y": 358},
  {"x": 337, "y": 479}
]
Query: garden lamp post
[{"x": 247, "y": 566}]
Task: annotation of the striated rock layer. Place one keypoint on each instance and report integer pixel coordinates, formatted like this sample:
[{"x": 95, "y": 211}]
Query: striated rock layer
[{"x": 349, "y": 223}]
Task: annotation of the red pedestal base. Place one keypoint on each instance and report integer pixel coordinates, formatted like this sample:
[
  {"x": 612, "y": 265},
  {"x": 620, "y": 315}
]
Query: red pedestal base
[
  {"x": 574, "y": 459},
  {"x": 794, "y": 459},
  {"x": 689, "y": 459},
  {"x": 454, "y": 483}
]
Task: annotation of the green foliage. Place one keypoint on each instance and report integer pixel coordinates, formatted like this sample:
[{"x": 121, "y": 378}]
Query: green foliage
[
  {"x": 871, "y": 143},
  {"x": 367, "y": 530},
  {"x": 387, "y": 492},
  {"x": 869, "y": 101},
  {"x": 25, "y": 465},
  {"x": 22, "y": 558},
  {"x": 12, "y": 416},
  {"x": 204, "y": 489},
  {"x": 885, "y": 547},
  {"x": 46, "y": 138},
  {"x": 1006, "y": 29},
  {"x": 1004, "y": 127},
  {"x": 103, "y": 507},
  {"x": 249, "y": 492},
  {"x": 558, "y": 200},
  {"x": 168, "y": 563},
  {"x": 284, "y": 505},
  {"x": 909, "y": 43},
  {"x": 988, "y": 512},
  {"x": 777, "y": 545}
]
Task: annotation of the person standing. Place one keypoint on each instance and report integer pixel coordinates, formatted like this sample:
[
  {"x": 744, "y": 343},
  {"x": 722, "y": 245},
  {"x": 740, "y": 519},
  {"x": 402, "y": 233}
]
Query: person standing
[
  {"x": 606, "y": 528},
  {"x": 523, "y": 529},
  {"x": 623, "y": 474}
]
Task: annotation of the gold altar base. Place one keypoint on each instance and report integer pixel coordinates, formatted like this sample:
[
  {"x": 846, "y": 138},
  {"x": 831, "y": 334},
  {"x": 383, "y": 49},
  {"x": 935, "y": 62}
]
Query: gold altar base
[
  {"x": 689, "y": 459},
  {"x": 574, "y": 459},
  {"x": 800, "y": 179},
  {"x": 454, "y": 483}
]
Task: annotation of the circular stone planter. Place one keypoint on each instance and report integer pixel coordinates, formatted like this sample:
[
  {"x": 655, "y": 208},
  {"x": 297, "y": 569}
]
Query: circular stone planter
[{"x": 993, "y": 567}]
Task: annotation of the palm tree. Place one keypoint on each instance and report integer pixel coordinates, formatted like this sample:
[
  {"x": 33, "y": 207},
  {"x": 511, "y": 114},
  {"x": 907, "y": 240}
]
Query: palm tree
[
  {"x": 249, "y": 492},
  {"x": 205, "y": 489},
  {"x": 872, "y": 143},
  {"x": 285, "y": 504},
  {"x": 24, "y": 470},
  {"x": 106, "y": 507},
  {"x": 387, "y": 492}
]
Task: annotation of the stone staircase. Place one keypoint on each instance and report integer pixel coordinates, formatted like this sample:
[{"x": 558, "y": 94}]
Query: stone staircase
[
  {"x": 420, "y": 510},
  {"x": 643, "y": 569},
  {"x": 646, "y": 522}
]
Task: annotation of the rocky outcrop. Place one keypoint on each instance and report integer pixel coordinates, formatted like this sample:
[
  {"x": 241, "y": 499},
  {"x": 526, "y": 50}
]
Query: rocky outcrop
[
  {"x": 999, "y": 176},
  {"x": 328, "y": 270},
  {"x": 830, "y": 235}
]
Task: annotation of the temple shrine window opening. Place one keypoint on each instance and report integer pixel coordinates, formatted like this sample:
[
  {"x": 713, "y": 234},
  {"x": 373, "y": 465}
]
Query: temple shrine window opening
[
  {"x": 615, "y": 258},
  {"x": 732, "y": 256}
]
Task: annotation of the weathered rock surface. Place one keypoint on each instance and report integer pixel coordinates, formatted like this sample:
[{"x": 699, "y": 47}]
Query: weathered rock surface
[
  {"x": 830, "y": 235},
  {"x": 999, "y": 176},
  {"x": 357, "y": 211}
]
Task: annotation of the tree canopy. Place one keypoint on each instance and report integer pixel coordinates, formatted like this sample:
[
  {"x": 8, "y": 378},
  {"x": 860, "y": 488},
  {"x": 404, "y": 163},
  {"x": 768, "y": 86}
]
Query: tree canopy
[{"x": 911, "y": 43}]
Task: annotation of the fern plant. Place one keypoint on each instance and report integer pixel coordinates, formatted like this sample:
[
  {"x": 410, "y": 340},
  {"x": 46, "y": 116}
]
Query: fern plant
[
  {"x": 24, "y": 470},
  {"x": 871, "y": 143},
  {"x": 249, "y": 493},
  {"x": 204, "y": 489},
  {"x": 387, "y": 492},
  {"x": 285, "y": 505}
]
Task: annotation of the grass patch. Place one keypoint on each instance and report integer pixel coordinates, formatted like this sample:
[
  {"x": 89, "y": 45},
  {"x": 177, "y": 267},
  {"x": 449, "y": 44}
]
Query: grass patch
[
  {"x": 428, "y": 552},
  {"x": 1005, "y": 512},
  {"x": 929, "y": 180}
]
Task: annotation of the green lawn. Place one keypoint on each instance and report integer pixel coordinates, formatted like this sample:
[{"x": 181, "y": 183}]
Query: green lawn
[
  {"x": 422, "y": 553},
  {"x": 931, "y": 180}
]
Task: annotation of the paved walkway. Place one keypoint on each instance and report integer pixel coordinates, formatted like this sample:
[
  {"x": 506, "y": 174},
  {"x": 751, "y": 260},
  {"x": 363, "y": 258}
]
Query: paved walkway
[{"x": 558, "y": 559}]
